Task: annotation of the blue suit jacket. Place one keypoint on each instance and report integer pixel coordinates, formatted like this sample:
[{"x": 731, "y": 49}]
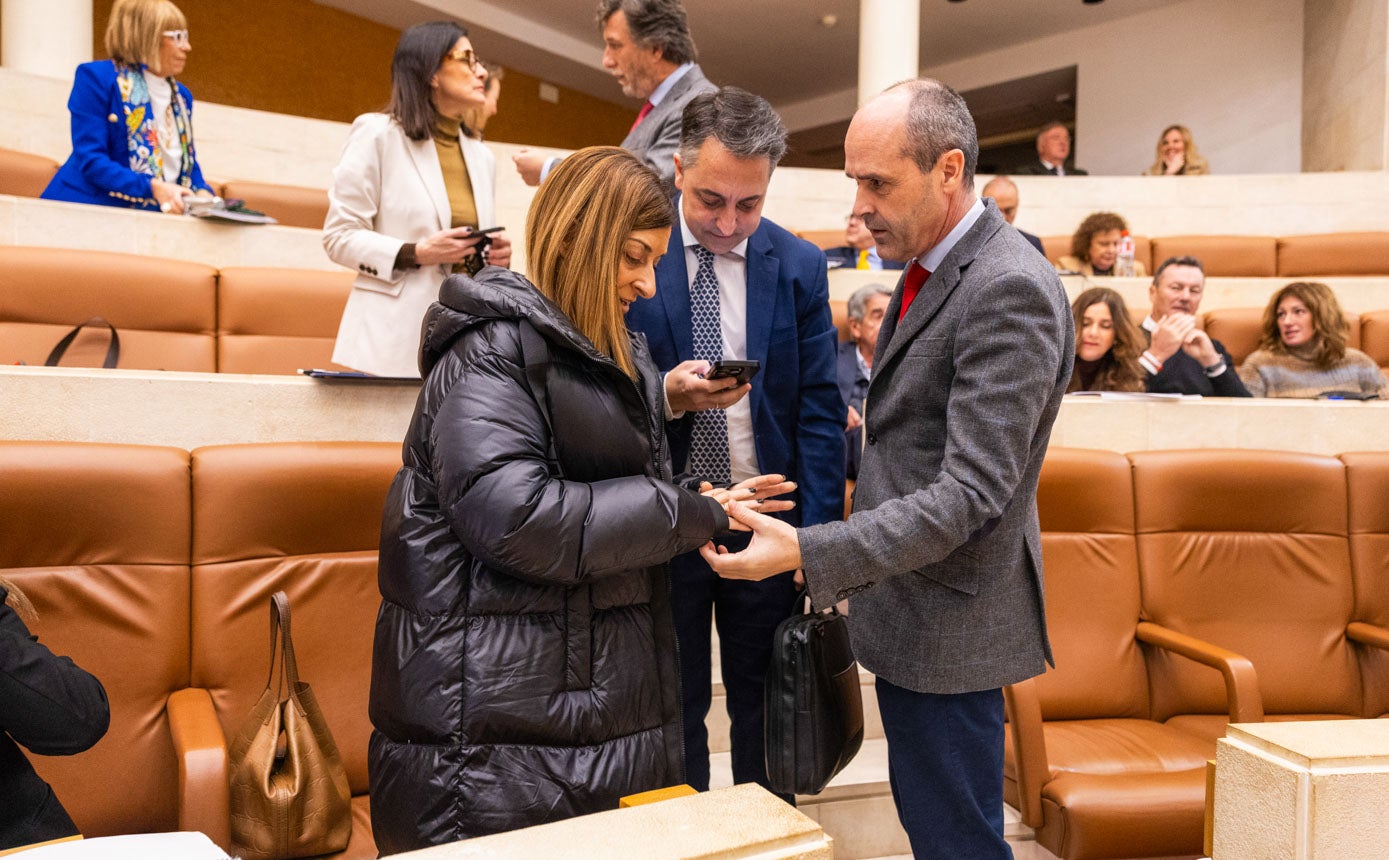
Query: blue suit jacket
[
  {"x": 98, "y": 171},
  {"x": 797, "y": 414},
  {"x": 853, "y": 386}
]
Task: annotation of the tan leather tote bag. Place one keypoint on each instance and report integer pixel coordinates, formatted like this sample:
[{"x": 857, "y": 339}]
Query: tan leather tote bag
[{"x": 289, "y": 792}]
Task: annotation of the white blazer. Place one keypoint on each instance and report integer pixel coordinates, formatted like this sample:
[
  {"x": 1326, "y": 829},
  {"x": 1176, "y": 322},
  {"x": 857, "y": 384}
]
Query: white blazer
[{"x": 389, "y": 190}]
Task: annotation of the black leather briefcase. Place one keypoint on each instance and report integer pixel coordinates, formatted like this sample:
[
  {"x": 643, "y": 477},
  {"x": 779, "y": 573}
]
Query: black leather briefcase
[{"x": 814, "y": 708}]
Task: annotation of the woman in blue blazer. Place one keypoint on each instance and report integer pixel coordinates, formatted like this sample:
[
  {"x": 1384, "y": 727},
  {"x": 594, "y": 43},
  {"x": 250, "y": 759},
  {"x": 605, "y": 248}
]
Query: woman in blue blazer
[{"x": 132, "y": 123}]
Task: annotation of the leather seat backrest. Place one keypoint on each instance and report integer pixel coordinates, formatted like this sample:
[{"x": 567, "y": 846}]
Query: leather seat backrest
[
  {"x": 24, "y": 174},
  {"x": 1248, "y": 550},
  {"x": 1237, "y": 329},
  {"x": 97, "y": 537},
  {"x": 304, "y": 518},
  {"x": 1085, "y": 502},
  {"x": 1251, "y": 256},
  {"x": 1334, "y": 254},
  {"x": 839, "y": 311},
  {"x": 291, "y": 205},
  {"x": 278, "y": 320},
  {"x": 823, "y": 238},
  {"x": 1374, "y": 336},
  {"x": 1056, "y": 247},
  {"x": 1367, "y": 478},
  {"x": 165, "y": 310}
]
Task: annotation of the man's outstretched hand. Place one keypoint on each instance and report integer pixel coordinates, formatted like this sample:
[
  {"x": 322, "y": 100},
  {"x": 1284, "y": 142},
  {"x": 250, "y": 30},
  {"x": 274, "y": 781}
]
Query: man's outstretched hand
[{"x": 773, "y": 549}]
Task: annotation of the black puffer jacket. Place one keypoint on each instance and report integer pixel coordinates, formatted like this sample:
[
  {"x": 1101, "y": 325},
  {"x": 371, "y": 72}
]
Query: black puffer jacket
[{"x": 524, "y": 668}]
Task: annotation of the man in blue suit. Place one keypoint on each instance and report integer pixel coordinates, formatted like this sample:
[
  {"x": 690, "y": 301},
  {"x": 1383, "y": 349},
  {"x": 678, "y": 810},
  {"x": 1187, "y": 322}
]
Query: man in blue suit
[{"x": 735, "y": 286}]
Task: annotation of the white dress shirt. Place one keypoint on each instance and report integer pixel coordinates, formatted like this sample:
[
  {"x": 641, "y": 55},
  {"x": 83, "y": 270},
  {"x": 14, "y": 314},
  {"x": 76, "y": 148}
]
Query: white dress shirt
[{"x": 731, "y": 270}]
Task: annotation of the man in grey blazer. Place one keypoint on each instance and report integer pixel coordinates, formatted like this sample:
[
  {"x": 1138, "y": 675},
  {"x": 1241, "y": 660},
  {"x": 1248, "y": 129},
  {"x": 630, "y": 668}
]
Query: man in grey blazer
[
  {"x": 941, "y": 559},
  {"x": 647, "y": 47}
]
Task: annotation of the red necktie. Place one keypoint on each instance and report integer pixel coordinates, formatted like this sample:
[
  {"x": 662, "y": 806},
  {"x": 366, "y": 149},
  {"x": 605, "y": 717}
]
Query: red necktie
[
  {"x": 916, "y": 276},
  {"x": 641, "y": 115}
]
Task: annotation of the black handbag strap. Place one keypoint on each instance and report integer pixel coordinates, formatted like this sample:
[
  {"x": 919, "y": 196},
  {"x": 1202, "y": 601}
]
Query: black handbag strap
[{"x": 113, "y": 352}]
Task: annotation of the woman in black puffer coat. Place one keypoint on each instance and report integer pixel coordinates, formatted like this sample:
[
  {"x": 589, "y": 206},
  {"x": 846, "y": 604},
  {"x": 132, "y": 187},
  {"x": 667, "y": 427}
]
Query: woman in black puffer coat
[{"x": 525, "y": 665}]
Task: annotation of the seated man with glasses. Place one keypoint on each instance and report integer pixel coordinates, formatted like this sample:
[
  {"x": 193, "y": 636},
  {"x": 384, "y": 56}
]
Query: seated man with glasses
[{"x": 861, "y": 251}]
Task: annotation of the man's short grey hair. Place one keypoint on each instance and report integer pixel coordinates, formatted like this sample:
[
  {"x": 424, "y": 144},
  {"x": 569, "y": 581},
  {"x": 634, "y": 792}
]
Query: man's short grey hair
[
  {"x": 654, "y": 24},
  {"x": 1187, "y": 260},
  {"x": 858, "y": 302},
  {"x": 743, "y": 123},
  {"x": 938, "y": 120}
]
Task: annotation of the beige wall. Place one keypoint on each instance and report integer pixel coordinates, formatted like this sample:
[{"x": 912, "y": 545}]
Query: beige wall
[
  {"x": 298, "y": 57},
  {"x": 1345, "y": 102}
]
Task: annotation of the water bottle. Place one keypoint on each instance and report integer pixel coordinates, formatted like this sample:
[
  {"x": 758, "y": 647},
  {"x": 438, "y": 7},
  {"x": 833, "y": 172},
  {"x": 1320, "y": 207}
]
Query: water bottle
[{"x": 1123, "y": 267}]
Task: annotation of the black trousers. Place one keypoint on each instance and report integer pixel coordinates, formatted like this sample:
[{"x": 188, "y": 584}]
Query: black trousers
[{"x": 747, "y": 614}]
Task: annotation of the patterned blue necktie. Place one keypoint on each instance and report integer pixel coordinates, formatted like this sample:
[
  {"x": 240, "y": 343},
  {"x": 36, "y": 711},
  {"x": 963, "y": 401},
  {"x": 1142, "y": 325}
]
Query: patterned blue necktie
[{"x": 709, "y": 440}]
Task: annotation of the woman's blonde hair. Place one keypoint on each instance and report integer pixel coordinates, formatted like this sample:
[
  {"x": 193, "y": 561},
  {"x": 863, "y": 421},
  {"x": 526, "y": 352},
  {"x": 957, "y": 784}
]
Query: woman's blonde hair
[
  {"x": 575, "y": 232},
  {"x": 1195, "y": 162},
  {"x": 1328, "y": 322},
  {"x": 1119, "y": 368},
  {"x": 16, "y": 600},
  {"x": 136, "y": 28}
]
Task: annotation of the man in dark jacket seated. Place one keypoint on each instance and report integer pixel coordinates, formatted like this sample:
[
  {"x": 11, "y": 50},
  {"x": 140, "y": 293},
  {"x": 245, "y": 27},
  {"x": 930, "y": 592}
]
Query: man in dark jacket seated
[
  {"x": 855, "y": 364},
  {"x": 1053, "y": 148},
  {"x": 1181, "y": 358},
  {"x": 860, "y": 252}
]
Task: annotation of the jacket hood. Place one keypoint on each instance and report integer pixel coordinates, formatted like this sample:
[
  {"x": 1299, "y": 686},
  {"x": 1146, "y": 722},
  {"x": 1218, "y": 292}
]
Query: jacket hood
[{"x": 495, "y": 294}]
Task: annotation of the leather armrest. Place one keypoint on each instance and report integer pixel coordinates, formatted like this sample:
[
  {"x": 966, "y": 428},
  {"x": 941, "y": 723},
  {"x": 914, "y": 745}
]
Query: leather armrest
[
  {"x": 1368, "y": 634},
  {"x": 204, "y": 802},
  {"x": 1241, "y": 684},
  {"x": 1024, "y": 712}
]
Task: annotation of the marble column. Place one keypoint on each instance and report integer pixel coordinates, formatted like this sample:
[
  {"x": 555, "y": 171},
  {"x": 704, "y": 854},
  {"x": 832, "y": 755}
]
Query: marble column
[
  {"x": 888, "y": 44},
  {"x": 46, "y": 37}
]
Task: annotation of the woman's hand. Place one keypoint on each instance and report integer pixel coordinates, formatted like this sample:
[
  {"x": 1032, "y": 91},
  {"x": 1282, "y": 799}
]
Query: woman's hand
[
  {"x": 499, "y": 252},
  {"x": 1173, "y": 164},
  {"x": 448, "y": 246},
  {"x": 756, "y": 493},
  {"x": 168, "y": 195}
]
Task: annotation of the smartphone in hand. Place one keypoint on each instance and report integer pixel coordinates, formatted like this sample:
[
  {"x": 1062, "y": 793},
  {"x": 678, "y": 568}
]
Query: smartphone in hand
[{"x": 743, "y": 371}]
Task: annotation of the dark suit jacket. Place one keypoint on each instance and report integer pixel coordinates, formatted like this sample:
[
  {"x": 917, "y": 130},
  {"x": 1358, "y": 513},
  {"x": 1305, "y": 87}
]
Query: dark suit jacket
[
  {"x": 942, "y": 554},
  {"x": 797, "y": 414},
  {"x": 1182, "y": 374},
  {"x": 1037, "y": 168},
  {"x": 657, "y": 136},
  {"x": 853, "y": 385},
  {"x": 848, "y": 258}
]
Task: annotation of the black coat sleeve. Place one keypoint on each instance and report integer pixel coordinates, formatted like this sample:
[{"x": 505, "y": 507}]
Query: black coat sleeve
[
  {"x": 47, "y": 703},
  {"x": 490, "y": 461}
]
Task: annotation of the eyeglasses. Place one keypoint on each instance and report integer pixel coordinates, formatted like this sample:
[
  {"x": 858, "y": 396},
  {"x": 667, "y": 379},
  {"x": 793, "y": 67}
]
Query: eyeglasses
[
  {"x": 180, "y": 37},
  {"x": 468, "y": 57}
]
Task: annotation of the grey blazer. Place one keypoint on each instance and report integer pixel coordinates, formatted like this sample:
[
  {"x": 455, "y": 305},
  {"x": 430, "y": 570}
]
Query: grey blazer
[
  {"x": 941, "y": 559},
  {"x": 657, "y": 137}
]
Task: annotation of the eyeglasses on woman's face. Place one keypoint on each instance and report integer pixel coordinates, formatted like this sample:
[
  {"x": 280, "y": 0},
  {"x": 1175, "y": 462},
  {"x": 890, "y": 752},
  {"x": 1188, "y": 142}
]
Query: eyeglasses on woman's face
[
  {"x": 178, "y": 37},
  {"x": 465, "y": 56}
]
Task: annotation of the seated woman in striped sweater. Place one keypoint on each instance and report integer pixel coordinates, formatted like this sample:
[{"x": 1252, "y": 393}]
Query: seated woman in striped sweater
[{"x": 1303, "y": 351}]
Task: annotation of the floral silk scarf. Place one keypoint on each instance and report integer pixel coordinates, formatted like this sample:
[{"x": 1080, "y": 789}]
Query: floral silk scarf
[{"x": 142, "y": 130}]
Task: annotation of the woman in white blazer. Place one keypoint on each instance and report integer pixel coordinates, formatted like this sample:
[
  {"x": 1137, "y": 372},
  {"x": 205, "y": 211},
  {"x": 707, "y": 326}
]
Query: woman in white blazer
[{"x": 404, "y": 209}]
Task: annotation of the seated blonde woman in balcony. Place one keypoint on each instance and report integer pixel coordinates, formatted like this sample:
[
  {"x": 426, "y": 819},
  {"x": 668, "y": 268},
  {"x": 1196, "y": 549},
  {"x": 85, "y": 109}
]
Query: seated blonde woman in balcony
[
  {"x": 1095, "y": 247},
  {"x": 1303, "y": 350},
  {"x": 132, "y": 122},
  {"x": 1107, "y": 344},
  {"x": 1177, "y": 155}
]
